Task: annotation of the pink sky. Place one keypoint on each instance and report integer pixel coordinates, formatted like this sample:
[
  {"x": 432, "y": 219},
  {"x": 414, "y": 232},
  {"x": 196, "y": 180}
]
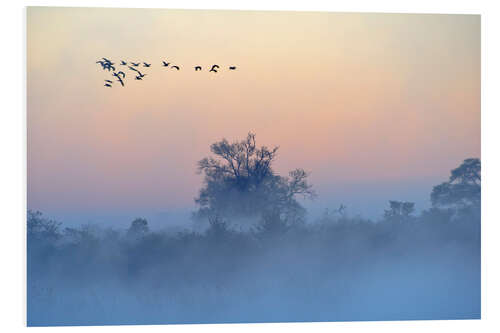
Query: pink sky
[{"x": 376, "y": 99}]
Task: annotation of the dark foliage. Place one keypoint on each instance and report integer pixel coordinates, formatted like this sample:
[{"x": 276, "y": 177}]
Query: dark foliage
[
  {"x": 463, "y": 189},
  {"x": 240, "y": 182},
  {"x": 405, "y": 266}
]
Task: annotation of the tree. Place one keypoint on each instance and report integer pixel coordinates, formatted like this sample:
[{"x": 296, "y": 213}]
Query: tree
[
  {"x": 138, "y": 228},
  {"x": 239, "y": 181},
  {"x": 399, "y": 210},
  {"x": 40, "y": 228},
  {"x": 462, "y": 190},
  {"x": 218, "y": 228}
]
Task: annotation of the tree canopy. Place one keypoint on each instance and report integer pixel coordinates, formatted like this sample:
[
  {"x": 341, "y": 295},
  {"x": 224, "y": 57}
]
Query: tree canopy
[
  {"x": 239, "y": 181},
  {"x": 463, "y": 187},
  {"x": 399, "y": 210}
]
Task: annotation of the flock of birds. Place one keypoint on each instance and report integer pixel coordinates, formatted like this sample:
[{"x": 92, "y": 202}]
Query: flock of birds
[{"x": 108, "y": 65}]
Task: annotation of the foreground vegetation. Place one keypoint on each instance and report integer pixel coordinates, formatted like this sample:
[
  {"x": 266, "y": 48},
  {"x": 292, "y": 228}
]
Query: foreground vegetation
[{"x": 282, "y": 268}]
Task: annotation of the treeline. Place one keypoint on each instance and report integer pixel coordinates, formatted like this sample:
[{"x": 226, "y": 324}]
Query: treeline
[
  {"x": 339, "y": 268},
  {"x": 280, "y": 268}
]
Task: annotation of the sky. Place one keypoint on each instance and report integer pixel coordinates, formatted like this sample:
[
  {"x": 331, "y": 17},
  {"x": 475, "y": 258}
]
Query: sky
[{"x": 375, "y": 106}]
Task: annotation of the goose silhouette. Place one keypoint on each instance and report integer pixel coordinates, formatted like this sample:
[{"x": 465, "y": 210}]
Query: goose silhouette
[
  {"x": 109, "y": 81},
  {"x": 107, "y": 85},
  {"x": 176, "y": 67},
  {"x": 140, "y": 76},
  {"x": 213, "y": 69},
  {"x": 118, "y": 74},
  {"x": 106, "y": 65},
  {"x": 135, "y": 64},
  {"x": 197, "y": 68},
  {"x": 108, "y": 61},
  {"x": 165, "y": 64},
  {"x": 123, "y": 63},
  {"x": 232, "y": 68},
  {"x": 120, "y": 78},
  {"x": 146, "y": 64}
]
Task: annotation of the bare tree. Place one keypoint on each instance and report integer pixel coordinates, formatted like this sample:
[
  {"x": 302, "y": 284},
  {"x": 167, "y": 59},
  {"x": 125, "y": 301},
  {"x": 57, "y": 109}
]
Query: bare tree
[{"x": 240, "y": 181}]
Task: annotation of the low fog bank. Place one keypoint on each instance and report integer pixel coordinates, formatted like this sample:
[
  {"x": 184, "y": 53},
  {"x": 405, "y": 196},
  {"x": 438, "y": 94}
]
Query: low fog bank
[
  {"x": 363, "y": 200},
  {"x": 338, "y": 268},
  {"x": 157, "y": 220},
  {"x": 251, "y": 253}
]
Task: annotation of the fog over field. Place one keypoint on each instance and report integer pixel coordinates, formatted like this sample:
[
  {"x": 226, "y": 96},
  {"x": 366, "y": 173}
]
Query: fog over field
[{"x": 250, "y": 253}]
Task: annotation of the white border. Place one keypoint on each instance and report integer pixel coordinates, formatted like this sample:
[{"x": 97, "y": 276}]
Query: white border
[{"x": 13, "y": 158}]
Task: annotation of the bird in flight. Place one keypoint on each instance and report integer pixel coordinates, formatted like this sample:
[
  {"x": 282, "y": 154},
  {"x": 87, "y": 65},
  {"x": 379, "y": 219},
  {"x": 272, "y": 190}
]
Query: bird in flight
[
  {"x": 106, "y": 64},
  {"x": 140, "y": 76},
  {"x": 108, "y": 61},
  {"x": 120, "y": 77},
  {"x": 213, "y": 69},
  {"x": 108, "y": 67}
]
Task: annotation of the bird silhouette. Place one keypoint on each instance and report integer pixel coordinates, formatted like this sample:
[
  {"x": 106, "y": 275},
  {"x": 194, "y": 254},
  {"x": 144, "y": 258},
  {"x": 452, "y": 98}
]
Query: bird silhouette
[
  {"x": 165, "y": 64},
  {"x": 108, "y": 61},
  {"x": 123, "y": 63},
  {"x": 146, "y": 64},
  {"x": 176, "y": 67},
  {"x": 213, "y": 69},
  {"x": 140, "y": 76},
  {"x": 132, "y": 68},
  {"x": 107, "y": 85},
  {"x": 135, "y": 64},
  {"x": 120, "y": 78},
  {"x": 106, "y": 64},
  {"x": 197, "y": 68},
  {"x": 232, "y": 68},
  {"x": 109, "y": 81}
]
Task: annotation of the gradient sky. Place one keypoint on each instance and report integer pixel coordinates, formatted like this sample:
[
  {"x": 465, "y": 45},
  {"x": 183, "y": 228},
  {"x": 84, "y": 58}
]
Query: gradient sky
[{"x": 375, "y": 106}]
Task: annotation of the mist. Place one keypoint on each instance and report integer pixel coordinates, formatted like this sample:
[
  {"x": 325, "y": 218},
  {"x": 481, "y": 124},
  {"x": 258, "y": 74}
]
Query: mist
[
  {"x": 335, "y": 269},
  {"x": 251, "y": 251}
]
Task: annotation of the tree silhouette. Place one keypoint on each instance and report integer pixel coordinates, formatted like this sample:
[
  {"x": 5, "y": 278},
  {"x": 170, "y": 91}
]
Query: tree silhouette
[
  {"x": 239, "y": 181},
  {"x": 463, "y": 188},
  {"x": 40, "y": 228},
  {"x": 138, "y": 228},
  {"x": 399, "y": 211}
]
